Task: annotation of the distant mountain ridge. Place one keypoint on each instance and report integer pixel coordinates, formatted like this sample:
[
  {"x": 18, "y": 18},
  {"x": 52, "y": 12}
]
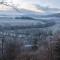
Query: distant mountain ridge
[{"x": 52, "y": 15}]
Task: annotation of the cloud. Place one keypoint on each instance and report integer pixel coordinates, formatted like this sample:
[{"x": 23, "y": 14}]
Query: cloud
[
  {"x": 54, "y": 3},
  {"x": 31, "y": 7},
  {"x": 50, "y": 3},
  {"x": 36, "y": 5}
]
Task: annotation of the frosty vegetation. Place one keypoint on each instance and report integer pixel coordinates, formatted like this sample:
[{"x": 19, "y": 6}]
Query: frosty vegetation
[{"x": 29, "y": 44}]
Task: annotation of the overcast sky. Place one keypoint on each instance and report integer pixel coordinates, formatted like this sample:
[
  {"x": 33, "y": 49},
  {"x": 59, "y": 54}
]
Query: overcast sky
[
  {"x": 50, "y": 3},
  {"x": 36, "y": 5}
]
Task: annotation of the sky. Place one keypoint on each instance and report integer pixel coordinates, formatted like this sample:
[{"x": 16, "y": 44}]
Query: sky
[
  {"x": 34, "y": 4},
  {"x": 49, "y": 3}
]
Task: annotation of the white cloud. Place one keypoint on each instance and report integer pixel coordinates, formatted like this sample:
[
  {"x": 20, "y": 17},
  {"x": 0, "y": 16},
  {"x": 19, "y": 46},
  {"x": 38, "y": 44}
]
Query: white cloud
[
  {"x": 31, "y": 7},
  {"x": 35, "y": 5},
  {"x": 51, "y": 3}
]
